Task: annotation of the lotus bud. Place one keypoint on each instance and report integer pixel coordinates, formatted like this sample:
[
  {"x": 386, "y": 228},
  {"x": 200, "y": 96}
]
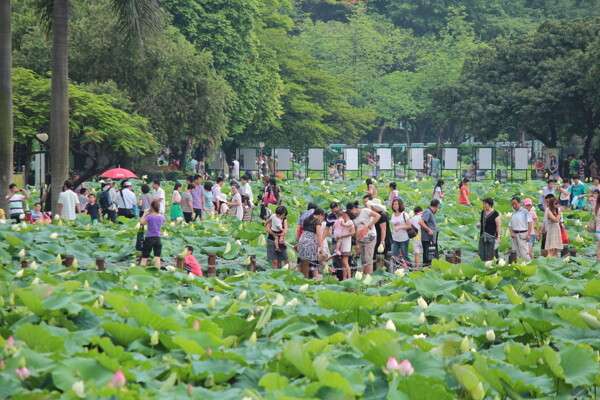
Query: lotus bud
[
  {"x": 488, "y": 264},
  {"x": 11, "y": 299},
  {"x": 212, "y": 303},
  {"x": 23, "y": 225},
  {"x": 358, "y": 276},
  {"x": 189, "y": 302},
  {"x": 54, "y": 236},
  {"x": 371, "y": 377},
  {"x": 405, "y": 368},
  {"x": 422, "y": 303},
  {"x": 119, "y": 379},
  {"x": 79, "y": 389},
  {"x": 326, "y": 269},
  {"x": 242, "y": 296},
  {"x": 490, "y": 335},
  {"x": 58, "y": 259},
  {"x": 474, "y": 278},
  {"x": 526, "y": 349},
  {"x": 422, "y": 318},
  {"x": 545, "y": 297},
  {"x": 22, "y": 373},
  {"x": 154, "y": 338},
  {"x": 22, "y": 253},
  {"x": 303, "y": 288},
  {"x": 464, "y": 345},
  {"x": 171, "y": 268},
  {"x": 190, "y": 276},
  {"x": 368, "y": 279},
  {"x": 279, "y": 299},
  {"x": 86, "y": 284},
  {"x": 56, "y": 217},
  {"x": 567, "y": 259},
  {"x": 35, "y": 281},
  {"x": 461, "y": 299},
  {"x": 132, "y": 265},
  {"x": 286, "y": 266},
  {"x": 501, "y": 262},
  {"x": 399, "y": 273},
  {"x": 250, "y": 318},
  {"x": 252, "y": 339},
  {"x": 579, "y": 239},
  {"x": 389, "y": 325},
  {"x": 381, "y": 248},
  {"x": 292, "y": 303},
  {"x": 16, "y": 228},
  {"x": 75, "y": 263},
  {"x": 461, "y": 273},
  {"x": 19, "y": 273}
]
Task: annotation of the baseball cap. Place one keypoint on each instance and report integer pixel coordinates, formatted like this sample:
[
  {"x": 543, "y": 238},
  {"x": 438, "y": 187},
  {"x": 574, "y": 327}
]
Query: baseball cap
[{"x": 527, "y": 202}]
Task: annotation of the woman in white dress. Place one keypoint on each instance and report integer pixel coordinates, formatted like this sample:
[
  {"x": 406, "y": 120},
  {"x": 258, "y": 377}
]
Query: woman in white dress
[{"x": 235, "y": 205}]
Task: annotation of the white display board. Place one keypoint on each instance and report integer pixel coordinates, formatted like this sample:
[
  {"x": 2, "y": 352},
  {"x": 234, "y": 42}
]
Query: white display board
[
  {"x": 451, "y": 159},
  {"x": 215, "y": 159},
  {"x": 283, "y": 157},
  {"x": 315, "y": 159},
  {"x": 351, "y": 157},
  {"x": 485, "y": 158},
  {"x": 385, "y": 159},
  {"x": 521, "y": 155},
  {"x": 416, "y": 157},
  {"x": 248, "y": 159}
]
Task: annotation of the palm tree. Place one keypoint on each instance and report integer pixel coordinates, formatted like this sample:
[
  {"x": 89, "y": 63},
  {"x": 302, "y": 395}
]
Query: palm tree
[
  {"x": 136, "y": 17},
  {"x": 6, "y": 111}
]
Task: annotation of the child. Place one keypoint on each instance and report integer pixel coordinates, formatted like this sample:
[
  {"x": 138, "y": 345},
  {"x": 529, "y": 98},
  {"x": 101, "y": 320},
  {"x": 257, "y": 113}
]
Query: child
[
  {"x": 345, "y": 243},
  {"x": 209, "y": 205},
  {"x": 37, "y": 215},
  {"x": 528, "y": 204},
  {"x": 565, "y": 195},
  {"x": 331, "y": 171},
  {"x": 277, "y": 226},
  {"x": 417, "y": 245},
  {"x": 247, "y": 206},
  {"x": 191, "y": 264},
  {"x": 93, "y": 209},
  {"x": 340, "y": 227}
]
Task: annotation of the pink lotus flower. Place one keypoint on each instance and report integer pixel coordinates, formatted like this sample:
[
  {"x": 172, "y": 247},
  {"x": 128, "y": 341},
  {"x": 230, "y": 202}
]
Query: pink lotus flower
[
  {"x": 403, "y": 368},
  {"x": 10, "y": 342},
  {"x": 119, "y": 379},
  {"x": 196, "y": 325},
  {"x": 23, "y": 373}
]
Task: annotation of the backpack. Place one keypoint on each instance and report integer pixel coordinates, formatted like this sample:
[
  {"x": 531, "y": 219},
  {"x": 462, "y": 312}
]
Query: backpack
[{"x": 105, "y": 200}]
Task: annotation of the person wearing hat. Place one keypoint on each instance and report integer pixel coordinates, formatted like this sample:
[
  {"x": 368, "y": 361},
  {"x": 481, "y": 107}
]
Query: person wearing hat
[
  {"x": 222, "y": 200},
  {"x": 126, "y": 200},
  {"x": 107, "y": 200},
  {"x": 366, "y": 234},
  {"x": 383, "y": 244},
  {"x": 528, "y": 204}
]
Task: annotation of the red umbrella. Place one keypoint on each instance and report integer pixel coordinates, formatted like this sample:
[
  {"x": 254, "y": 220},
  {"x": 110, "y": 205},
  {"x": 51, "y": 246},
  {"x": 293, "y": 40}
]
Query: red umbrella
[{"x": 118, "y": 173}]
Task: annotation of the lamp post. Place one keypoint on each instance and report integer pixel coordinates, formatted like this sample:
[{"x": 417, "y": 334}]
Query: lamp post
[{"x": 40, "y": 162}]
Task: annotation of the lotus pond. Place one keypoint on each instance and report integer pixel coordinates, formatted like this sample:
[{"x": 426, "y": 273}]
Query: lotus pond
[{"x": 468, "y": 331}]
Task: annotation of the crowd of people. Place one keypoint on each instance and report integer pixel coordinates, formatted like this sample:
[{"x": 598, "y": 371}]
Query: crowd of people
[{"x": 375, "y": 227}]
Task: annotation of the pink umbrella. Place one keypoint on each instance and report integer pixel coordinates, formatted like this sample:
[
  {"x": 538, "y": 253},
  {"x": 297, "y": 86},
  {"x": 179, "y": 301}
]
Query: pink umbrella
[{"x": 118, "y": 173}]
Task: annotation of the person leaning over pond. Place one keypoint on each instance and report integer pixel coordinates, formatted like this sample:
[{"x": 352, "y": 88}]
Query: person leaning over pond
[
  {"x": 429, "y": 230},
  {"x": 366, "y": 235},
  {"x": 383, "y": 244},
  {"x": 152, "y": 244},
  {"x": 311, "y": 241},
  {"x": 489, "y": 231},
  {"x": 277, "y": 258},
  {"x": 519, "y": 227}
]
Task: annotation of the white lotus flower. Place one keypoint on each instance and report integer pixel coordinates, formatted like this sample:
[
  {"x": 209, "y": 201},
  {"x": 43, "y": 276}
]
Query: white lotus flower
[
  {"x": 79, "y": 389},
  {"x": 22, "y": 217},
  {"x": 501, "y": 262},
  {"x": 144, "y": 176},
  {"x": 54, "y": 236},
  {"x": 488, "y": 264},
  {"x": 252, "y": 339},
  {"x": 368, "y": 279},
  {"x": 242, "y": 296},
  {"x": 307, "y": 180},
  {"x": 250, "y": 318},
  {"x": 170, "y": 268},
  {"x": 490, "y": 335},
  {"x": 22, "y": 253},
  {"x": 173, "y": 224},
  {"x": 154, "y": 338},
  {"x": 422, "y": 303},
  {"x": 422, "y": 318},
  {"x": 420, "y": 336},
  {"x": 138, "y": 225},
  {"x": 567, "y": 259},
  {"x": 399, "y": 273},
  {"x": 16, "y": 228},
  {"x": 292, "y": 303},
  {"x": 19, "y": 273},
  {"x": 35, "y": 281},
  {"x": 180, "y": 307},
  {"x": 540, "y": 191},
  {"x": 279, "y": 299},
  {"x": 56, "y": 217},
  {"x": 286, "y": 266},
  {"x": 578, "y": 239},
  {"x": 577, "y": 222},
  {"x": 358, "y": 276},
  {"x": 303, "y": 288},
  {"x": 190, "y": 276},
  {"x": 389, "y": 325}
]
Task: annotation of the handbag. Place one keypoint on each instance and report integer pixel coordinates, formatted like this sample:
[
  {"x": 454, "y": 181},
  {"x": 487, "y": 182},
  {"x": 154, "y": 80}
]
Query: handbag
[
  {"x": 139, "y": 240},
  {"x": 564, "y": 235},
  {"x": 412, "y": 232},
  {"x": 270, "y": 199},
  {"x": 591, "y": 226}
]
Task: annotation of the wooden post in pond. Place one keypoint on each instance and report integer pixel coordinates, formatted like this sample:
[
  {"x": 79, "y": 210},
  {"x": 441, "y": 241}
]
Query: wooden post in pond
[
  {"x": 100, "y": 263},
  {"x": 180, "y": 262},
  {"x": 252, "y": 265},
  {"x": 565, "y": 251},
  {"x": 212, "y": 264},
  {"x": 380, "y": 261},
  {"x": 572, "y": 252},
  {"x": 457, "y": 256},
  {"x": 304, "y": 267},
  {"x": 390, "y": 264},
  {"x": 512, "y": 257},
  {"x": 24, "y": 263},
  {"x": 68, "y": 261},
  {"x": 451, "y": 257}
]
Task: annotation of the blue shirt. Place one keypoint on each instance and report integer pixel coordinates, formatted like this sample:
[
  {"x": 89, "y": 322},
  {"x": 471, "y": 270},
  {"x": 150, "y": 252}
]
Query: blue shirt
[{"x": 578, "y": 190}]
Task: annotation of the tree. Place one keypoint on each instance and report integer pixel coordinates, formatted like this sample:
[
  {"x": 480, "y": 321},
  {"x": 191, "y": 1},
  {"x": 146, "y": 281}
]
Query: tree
[
  {"x": 6, "y": 107},
  {"x": 137, "y": 18},
  {"x": 537, "y": 84}
]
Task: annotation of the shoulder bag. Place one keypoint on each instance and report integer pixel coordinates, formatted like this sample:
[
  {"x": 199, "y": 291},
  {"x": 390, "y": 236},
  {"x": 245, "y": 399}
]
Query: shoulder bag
[
  {"x": 139, "y": 241},
  {"x": 591, "y": 226},
  {"x": 412, "y": 232}
]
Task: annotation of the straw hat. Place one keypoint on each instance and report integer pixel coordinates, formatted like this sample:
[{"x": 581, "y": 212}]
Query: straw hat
[{"x": 376, "y": 205}]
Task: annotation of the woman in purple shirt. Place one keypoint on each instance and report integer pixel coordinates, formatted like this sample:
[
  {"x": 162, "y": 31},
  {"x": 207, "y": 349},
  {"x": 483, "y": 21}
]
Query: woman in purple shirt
[{"x": 155, "y": 221}]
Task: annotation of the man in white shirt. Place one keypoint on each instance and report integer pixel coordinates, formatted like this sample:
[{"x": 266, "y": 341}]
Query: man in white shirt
[
  {"x": 520, "y": 226},
  {"x": 546, "y": 190},
  {"x": 68, "y": 202},
  {"x": 159, "y": 194},
  {"x": 126, "y": 200},
  {"x": 246, "y": 189},
  {"x": 193, "y": 165},
  {"x": 235, "y": 168}
]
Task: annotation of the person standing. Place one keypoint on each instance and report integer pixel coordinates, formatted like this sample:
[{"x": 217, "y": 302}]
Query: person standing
[
  {"x": 463, "y": 193},
  {"x": 236, "y": 202},
  {"x": 394, "y": 193},
  {"x": 429, "y": 230},
  {"x": 553, "y": 171},
  {"x": 577, "y": 190},
  {"x": 126, "y": 201},
  {"x": 194, "y": 165},
  {"x": 246, "y": 189},
  {"x": 198, "y": 197},
  {"x": 83, "y": 198},
  {"x": 15, "y": 202},
  {"x": 435, "y": 165},
  {"x": 235, "y": 168},
  {"x": 68, "y": 202},
  {"x": 528, "y": 204},
  {"x": 371, "y": 188},
  {"x": 159, "y": 194},
  {"x": 209, "y": 203},
  {"x": 565, "y": 195},
  {"x": 176, "y": 211},
  {"x": 108, "y": 198},
  {"x": 311, "y": 240},
  {"x": 310, "y": 209},
  {"x": 437, "y": 191},
  {"x": 519, "y": 227},
  {"x": 553, "y": 234},
  {"x": 416, "y": 241},
  {"x": 366, "y": 234},
  {"x": 489, "y": 231},
  {"x": 152, "y": 244},
  {"x": 144, "y": 200},
  {"x": 341, "y": 165},
  {"x": 546, "y": 190},
  {"x": 277, "y": 258},
  {"x": 597, "y": 216},
  {"x": 400, "y": 223},
  {"x": 187, "y": 208}
]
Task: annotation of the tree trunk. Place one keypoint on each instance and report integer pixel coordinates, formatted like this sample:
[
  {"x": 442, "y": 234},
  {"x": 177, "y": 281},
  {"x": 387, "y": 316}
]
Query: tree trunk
[
  {"x": 6, "y": 108},
  {"x": 382, "y": 130},
  {"x": 59, "y": 100}
]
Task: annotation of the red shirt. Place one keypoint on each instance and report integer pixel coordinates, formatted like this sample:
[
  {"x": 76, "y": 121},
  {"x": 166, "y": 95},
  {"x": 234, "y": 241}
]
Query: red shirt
[
  {"x": 192, "y": 264},
  {"x": 464, "y": 195}
]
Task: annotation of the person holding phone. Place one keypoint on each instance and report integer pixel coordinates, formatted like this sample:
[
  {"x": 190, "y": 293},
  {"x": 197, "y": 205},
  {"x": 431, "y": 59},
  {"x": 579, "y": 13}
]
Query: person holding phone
[{"x": 15, "y": 202}]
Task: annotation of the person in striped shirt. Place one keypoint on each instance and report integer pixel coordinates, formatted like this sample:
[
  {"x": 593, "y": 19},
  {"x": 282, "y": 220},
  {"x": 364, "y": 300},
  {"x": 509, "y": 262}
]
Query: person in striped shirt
[{"x": 15, "y": 202}]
